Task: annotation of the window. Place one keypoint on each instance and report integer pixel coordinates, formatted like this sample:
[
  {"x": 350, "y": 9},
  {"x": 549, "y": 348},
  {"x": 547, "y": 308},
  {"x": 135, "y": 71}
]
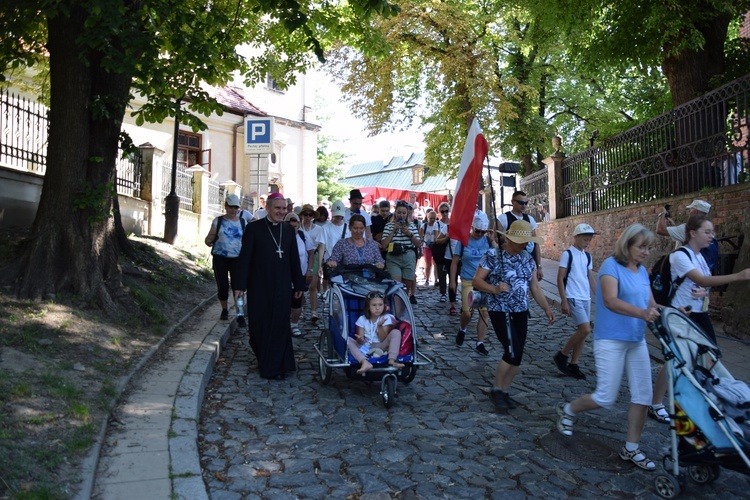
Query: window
[
  {"x": 189, "y": 151},
  {"x": 272, "y": 84},
  {"x": 417, "y": 175}
]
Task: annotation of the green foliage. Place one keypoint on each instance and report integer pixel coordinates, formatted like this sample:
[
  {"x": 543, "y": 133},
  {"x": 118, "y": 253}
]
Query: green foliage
[
  {"x": 96, "y": 201},
  {"x": 329, "y": 172}
]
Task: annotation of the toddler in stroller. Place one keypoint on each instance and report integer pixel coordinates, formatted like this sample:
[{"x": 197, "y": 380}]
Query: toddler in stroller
[{"x": 375, "y": 331}]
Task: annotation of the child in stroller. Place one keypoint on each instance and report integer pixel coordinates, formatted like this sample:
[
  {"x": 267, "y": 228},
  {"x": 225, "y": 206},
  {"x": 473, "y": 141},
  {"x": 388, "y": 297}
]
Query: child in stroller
[{"x": 375, "y": 331}]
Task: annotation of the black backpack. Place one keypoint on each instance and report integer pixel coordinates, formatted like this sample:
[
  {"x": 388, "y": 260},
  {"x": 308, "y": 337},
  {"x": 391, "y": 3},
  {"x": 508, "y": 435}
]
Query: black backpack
[
  {"x": 570, "y": 265},
  {"x": 662, "y": 285}
]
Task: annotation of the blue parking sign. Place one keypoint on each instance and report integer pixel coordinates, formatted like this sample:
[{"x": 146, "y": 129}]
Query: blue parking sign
[{"x": 258, "y": 135}]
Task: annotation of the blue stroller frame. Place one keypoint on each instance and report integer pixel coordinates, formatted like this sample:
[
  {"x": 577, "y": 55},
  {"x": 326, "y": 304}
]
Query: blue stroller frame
[
  {"x": 703, "y": 438},
  {"x": 345, "y": 304}
]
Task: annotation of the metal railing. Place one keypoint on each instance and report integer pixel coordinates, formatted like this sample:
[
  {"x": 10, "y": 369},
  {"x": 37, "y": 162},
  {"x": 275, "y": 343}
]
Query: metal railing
[
  {"x": 701, "y": 144},
  {"x": 129, "y": 172},
  {"x": 183, "y": 185},
  {"x": 536, "y": 187},
  {"x": 215, "y": 198},
  {"x": 23, "y": 133}
]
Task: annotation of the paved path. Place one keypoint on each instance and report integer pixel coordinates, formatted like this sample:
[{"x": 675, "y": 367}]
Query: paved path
[
  {"x": 193, "y": 424},
  {"x": 442, "y": 439}
]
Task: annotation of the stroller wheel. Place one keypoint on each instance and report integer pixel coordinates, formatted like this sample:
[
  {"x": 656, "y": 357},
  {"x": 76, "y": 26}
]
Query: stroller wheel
[
  {"x": 704, "y": 474},
  {"x": 326, "y": 349},
  {"x": 408, "y": 373},
  {"x": 389, "y": 391},
  {"x": 667, "y": 486}
]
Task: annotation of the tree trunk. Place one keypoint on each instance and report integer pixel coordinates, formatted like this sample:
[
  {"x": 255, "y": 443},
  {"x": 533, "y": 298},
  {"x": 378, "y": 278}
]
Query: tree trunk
[
  {"x": 72, "y": 248},
  {"x": 689, "y": 72}
]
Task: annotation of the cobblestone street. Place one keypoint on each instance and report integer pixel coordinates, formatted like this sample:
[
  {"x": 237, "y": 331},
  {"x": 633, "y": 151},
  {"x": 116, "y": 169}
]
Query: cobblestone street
[{"x": 297, "y": 438}]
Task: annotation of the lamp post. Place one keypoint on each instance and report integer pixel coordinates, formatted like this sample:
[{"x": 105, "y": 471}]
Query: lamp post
[{"x": 172, "y": 200}]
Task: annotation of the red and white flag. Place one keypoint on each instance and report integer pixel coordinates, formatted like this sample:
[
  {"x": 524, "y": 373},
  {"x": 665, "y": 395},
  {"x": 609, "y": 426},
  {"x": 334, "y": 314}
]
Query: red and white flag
[{"x": 467, "y": 185}]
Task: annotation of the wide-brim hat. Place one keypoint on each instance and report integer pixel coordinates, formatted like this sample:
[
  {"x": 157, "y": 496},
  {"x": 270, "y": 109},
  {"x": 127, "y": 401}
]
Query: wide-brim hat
[
  {"x": 307, "y": 209},
  {"x": 291, "y": 216},
  {"x": 520, "y": 232}
]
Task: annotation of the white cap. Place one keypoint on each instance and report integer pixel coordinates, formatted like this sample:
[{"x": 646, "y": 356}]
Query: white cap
[
  {"x": 232, "y": 200},
  {"x": 583, "y": 229},
  {"x": 481, "y": 223},
  {"x": 700, "y": 205},
  {"x": 338, "y": 209}
]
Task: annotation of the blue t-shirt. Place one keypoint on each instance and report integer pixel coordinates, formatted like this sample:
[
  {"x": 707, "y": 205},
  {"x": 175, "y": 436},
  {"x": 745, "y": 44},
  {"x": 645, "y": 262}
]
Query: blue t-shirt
[
  {"x": 229, "y": 241},
  {"x": 471, "y": 256},
  {"x": 634, "y": 289}
]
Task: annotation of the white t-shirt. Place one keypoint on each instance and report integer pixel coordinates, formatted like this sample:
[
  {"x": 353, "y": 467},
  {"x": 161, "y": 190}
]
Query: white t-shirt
[
  {"x": 677, "y": 233},
  {"x": 315, "y": 233},
  {"x": 370, "y": 328},
  {"x": 503, "y": 220},
  {"x": 331, "y": 233},
  {"x": 681, "y": 265},
  {"x": 245, "y": 214},
  {"x": 429, "y": 232},
  {"x": 578, "y": 286},
  {"x": 348, "y": 215},
  {"x": 303, "y": 248}
]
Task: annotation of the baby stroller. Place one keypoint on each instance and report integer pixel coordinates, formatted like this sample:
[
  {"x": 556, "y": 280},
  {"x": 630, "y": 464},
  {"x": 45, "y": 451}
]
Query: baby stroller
[
  {"x": 349, "y": 286},
  {"x": 708, "y": 431}
]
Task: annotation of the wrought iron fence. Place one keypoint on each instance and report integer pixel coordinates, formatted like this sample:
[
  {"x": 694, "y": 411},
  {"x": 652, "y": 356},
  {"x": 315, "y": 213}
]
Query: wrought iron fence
[
  {"x": 129, "y": 171},
  {"x": 23, "y": 133},
  {"x": 536, "y": 187},
  {"x": 183, "y": 185},
  {"x": 703, "y": 143},
  {"x": 215, "y": 198}
]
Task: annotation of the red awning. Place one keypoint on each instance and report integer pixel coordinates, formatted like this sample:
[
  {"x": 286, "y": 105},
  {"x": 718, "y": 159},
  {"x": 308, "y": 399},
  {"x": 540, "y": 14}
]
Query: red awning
[{"x": 372, "y": 193}]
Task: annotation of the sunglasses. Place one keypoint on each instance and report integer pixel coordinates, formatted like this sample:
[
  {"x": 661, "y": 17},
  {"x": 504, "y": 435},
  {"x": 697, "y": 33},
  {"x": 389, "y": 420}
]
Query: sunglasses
[
  {"x": 444, "y": 211},
  {"x": 521, "y": 202},
  {"x": 479, "y": 231},
  {"x": 234, "y": 207},
  {"x": 307, "y": 215}
]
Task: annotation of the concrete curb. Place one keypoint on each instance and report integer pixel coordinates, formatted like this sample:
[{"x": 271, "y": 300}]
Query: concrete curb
[
  {"x": 184, "y": 456},
  {"x": 90, "y": 463}
]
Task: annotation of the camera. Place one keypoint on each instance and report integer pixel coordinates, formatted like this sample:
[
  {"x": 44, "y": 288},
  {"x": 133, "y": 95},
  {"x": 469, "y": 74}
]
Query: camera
[
  {"x": 400, "y": 221},
  {"x": 667, "y": 208}
]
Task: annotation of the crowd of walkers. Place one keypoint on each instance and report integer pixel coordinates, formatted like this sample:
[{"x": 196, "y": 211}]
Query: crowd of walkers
[{"x": 278, "y": 254}]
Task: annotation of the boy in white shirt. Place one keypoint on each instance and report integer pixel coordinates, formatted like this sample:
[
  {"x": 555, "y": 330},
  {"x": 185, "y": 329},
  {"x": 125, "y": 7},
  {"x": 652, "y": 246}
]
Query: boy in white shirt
[{"x": 576, "y": 281}]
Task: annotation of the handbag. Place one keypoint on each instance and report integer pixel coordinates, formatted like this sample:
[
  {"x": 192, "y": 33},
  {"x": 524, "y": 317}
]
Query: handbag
[{"x": 396, "y": 249}]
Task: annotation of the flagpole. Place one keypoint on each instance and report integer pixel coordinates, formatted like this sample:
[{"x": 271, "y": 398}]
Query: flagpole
[{"x": 492, "y": 192}]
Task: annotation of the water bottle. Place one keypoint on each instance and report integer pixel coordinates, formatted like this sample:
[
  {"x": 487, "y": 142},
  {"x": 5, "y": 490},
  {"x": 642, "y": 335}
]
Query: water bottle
[{"x": 240, "y": 307}]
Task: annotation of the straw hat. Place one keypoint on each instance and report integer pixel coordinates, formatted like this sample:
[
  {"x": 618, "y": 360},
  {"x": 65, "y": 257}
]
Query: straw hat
[{"x": 520, "y": 232}]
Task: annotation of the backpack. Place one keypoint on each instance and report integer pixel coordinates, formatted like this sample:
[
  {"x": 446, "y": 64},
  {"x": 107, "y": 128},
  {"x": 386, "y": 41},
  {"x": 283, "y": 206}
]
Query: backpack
[
  {"x": 219, "y": 220},
  {"x": 662, "y": 285},
  {"x": 570, "y": 265},
  {"x": 711, "y": 254},
  {"x": 525, "y": 217}
]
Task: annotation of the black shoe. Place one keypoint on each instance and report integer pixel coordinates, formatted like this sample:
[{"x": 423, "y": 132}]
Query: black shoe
[
  {"x": 241, "y": 321},
  {"x": 482, "y": 350},
  {"x": 460, "y": 337},
  {"x": 498, "y": 399},
  {"x": 224, "y": 315},
  {"x": 561, "y": 361},
  {"x": 413, "y": 299},
  {"x": 576, "y": 372},
  {"x": 511, "y": 404}
]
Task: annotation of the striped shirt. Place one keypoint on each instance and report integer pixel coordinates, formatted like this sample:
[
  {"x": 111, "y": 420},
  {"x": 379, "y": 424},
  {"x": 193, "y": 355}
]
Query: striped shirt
[{"x": 400, "y": 237}]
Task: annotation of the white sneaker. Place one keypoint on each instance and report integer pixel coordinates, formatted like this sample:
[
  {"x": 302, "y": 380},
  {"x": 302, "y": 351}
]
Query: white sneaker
[{"x": 296, "y": 332}]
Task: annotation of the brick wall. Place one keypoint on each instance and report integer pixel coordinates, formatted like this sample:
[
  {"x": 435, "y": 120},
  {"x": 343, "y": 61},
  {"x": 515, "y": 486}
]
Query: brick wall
[
  {"x": 730, "y": 210},
  {"x": 745, "y": 28}
]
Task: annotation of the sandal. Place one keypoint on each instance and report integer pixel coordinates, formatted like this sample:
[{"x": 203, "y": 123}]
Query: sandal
[
  {"x": 452, "y": 312},
  {"x": 659, "y": 413},
  {"x": 564, "y": 421},
  {"x": 638, "y": 458}
]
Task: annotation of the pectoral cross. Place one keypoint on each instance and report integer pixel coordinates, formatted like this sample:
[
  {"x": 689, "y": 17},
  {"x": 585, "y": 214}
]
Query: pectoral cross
[{"x": 280, "y": 252}]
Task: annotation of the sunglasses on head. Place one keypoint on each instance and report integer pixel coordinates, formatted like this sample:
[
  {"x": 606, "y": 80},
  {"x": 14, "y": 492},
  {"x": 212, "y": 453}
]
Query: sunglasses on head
[
  {"x": 521, "y": 202},
  {"x": 373, "y": 295}
]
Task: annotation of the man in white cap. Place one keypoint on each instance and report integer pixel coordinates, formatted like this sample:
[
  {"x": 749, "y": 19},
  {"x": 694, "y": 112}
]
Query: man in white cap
[
  {"x": 480, "y": 240},
  {"x": 576, "y": 281},
  {"x": 666, "y": 227}
]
